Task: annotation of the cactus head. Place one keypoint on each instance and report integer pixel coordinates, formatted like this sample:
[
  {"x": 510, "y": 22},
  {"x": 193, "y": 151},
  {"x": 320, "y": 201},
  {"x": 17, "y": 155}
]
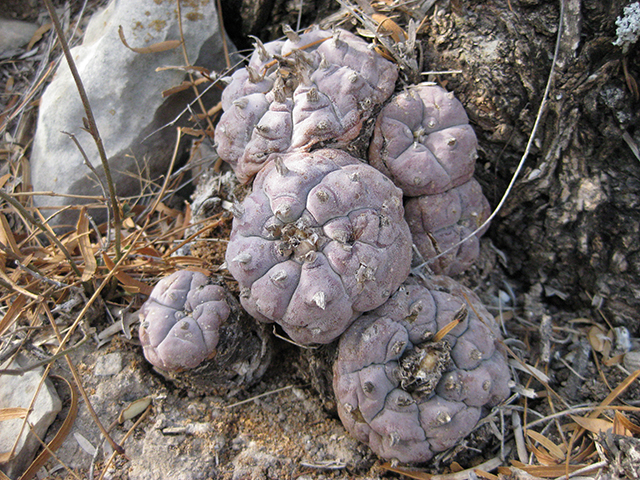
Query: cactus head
[
  {"x": 410, "y": 391},
  {"x": 320, "y": 239}
]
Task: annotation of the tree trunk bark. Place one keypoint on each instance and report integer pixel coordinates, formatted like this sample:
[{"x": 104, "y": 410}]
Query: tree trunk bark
[{"x": 572, "y": 221}]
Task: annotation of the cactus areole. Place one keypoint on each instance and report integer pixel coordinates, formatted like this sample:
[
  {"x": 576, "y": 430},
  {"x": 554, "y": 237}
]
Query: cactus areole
[{"x": 320, "y": 239}]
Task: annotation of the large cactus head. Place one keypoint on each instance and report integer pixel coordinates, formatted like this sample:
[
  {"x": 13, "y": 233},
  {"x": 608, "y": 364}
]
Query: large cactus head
[
  {"x": 407, "y": 389},
  {"x": 314, "y": 88},
  {"x": 320, "y": 239}
]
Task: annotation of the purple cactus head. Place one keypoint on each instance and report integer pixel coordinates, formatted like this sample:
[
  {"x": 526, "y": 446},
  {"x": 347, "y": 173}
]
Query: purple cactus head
[
  {"x": 423, "y": 141},
  {"x": 180, "y": 322},
  {"x": 437, "y": 222},
  {"x": 318, "y": 87},
  {"x": 320, "y": 239},
  {"x": 409, "y": 391},
  {"x": 196, "y": 335}
]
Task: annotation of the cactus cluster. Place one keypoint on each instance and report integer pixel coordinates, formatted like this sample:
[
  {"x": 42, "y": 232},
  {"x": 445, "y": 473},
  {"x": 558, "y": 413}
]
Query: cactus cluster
[{"x": 323, "y": 243}]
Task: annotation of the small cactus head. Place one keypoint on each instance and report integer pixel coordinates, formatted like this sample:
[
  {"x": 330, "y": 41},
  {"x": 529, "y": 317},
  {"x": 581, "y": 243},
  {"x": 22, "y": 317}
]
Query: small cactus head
[
  {"x": 438, "y": 222},
  {"x": 414, "y": 376},
  {"x": 179, "y": 323},
  {"x": 195, "y": 334},
  {"x": 423, "y": 141}
]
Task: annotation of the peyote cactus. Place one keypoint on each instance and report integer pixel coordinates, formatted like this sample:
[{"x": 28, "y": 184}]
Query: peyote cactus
[
  {"x": 423, "y": 141},
  {"x": 405, "y": 391},
  {"x": 194, "y": 333},
  {"x": 437, "y": 222},
  {"x": 316, "y": 88},
  {"x": 320, "y": 239}
]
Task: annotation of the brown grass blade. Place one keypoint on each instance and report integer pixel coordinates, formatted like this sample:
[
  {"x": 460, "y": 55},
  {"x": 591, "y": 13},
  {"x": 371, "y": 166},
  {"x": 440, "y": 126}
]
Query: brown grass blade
[
  {"x": 492, "y": 464},
  {"x": 14, "y": 310},
  {"x": 551, "y": 471},
  {"x": 183, "y": 86},
  {"x": 460, "y": 315},
  {"x": 155, "y": 48},
  {"x": 542, "y": 455},
  {"x": 84, "y": 244},
  {"x": 554, "y": 450},
  {"x": 37, "y": 36},
  {"x": 622, "y": 419},
  {"x": 482, "y": 474},
  {"x": 129, "y": 283},
  {"x": 593, "y": 425},
  {"x": 7, "y": 238},
  {"x": 4, "y": 179},
  {"x": 388, "y": 26},
  {"x": 619, "y": 390},
  {"x": 13, "y": 412},
  {"x": 17, "y": 287}
]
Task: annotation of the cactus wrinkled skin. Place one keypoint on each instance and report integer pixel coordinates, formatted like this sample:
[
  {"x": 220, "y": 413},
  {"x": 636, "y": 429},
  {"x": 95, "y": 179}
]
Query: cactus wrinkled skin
[
  {"x": 437, "y": 222},
  {"x": 405, "y": 391},
  {"x": 423, "y": 141},
  {"x": 321, "y": 239},
  {"x": 318, "y": 87},
  {"x": 195, "y": 334}
]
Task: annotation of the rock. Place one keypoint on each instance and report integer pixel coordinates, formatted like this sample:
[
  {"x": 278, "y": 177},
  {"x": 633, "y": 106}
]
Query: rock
[
  {"x": 108, "y": 365},
  {"x": 13, "y": 35},
  {"x": 253, "y": 463},
  {"x": 18, "y": 391},
  {"x": 124, "y": 91}
]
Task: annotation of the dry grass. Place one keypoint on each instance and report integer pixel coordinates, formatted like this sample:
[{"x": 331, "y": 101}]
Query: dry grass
[{"x": 53, "y": 284}]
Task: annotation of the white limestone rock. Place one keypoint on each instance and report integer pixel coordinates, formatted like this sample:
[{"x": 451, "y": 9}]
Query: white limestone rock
[
  {"x": 124, "y": 90},
  {"x": 18, "y": 391}
]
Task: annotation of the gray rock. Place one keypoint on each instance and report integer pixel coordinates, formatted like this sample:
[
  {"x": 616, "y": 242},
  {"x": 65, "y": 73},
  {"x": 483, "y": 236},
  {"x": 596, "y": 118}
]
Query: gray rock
[
  {"x": 108, "y": 365},
  {"x": 13, "y": 35},
  {"x": 18, "y": 391},
  {"x": 253, "y": 463},
  {"x": 124, "y": 91}
]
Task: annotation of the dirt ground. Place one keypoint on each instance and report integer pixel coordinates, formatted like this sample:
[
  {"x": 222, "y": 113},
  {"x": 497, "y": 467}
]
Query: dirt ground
[{"x": 559, "y": 269}]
